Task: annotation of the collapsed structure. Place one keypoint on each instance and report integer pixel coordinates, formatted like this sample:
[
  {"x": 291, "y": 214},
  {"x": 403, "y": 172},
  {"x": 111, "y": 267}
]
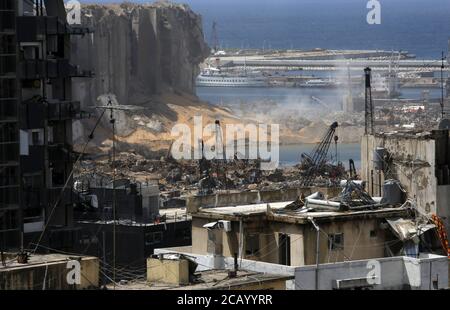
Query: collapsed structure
[{"x": 419, "y": 160}]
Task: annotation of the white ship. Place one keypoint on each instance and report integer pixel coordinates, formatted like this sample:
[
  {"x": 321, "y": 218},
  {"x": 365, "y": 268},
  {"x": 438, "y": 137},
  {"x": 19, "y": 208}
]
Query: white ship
[
  {"x": 319, "y": 83},
  {"x": 213, "y": 77}
]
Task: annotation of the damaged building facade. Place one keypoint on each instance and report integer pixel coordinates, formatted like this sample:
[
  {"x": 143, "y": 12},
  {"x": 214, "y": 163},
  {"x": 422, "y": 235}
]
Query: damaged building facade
[
  {"x": 419, "y": 160},
  {"x": 320, "y": 247},
  {"x": 36, "y": 110},
  {"x": 290, "y": 238}
]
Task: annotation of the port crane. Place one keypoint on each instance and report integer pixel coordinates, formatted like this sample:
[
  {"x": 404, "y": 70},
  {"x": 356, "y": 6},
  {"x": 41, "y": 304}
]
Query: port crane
[
  {"x": 218, "y": 165},
  {"x": 313, "y": 164}
]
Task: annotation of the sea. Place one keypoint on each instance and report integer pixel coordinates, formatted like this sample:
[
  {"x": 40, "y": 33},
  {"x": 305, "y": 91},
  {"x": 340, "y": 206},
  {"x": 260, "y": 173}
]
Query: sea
[{"x": 420, "y": 27}]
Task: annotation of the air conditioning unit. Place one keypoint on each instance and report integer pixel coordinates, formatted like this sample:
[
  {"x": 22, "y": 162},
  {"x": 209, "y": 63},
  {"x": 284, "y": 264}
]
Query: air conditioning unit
[{"x": 226, "y": 225}]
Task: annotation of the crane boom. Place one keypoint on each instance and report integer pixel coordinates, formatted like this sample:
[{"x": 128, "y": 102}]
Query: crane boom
[{"x": 318, "y": 157}]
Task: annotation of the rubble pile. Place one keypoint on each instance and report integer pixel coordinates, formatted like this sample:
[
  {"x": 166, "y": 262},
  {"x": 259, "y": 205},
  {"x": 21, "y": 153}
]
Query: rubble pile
[{"x": 190, "y": 177}]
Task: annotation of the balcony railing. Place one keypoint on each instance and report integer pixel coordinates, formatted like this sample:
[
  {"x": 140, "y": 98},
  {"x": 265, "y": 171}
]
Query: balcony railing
[{"x": 50, "y": 68}]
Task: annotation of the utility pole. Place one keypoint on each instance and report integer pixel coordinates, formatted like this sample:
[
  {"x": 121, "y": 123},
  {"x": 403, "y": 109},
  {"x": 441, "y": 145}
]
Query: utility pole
[
  {"x": 317, "y": 250},
  {"x": 442, "y": 86},
  {"x": 368, "y": 111},
  {"x": 113, "y": 164},
  {"x": 112, "y": 120},
  {"x": 104, "y": 256}
]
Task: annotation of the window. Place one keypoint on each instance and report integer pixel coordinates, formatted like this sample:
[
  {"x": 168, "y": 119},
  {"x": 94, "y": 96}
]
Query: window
[
  {"x": 9, "y": 220},
  {"x": 87, "y": 239},
  {"x": 336, "y": 241},
  {"x": 373, "y": 233},
  {"x": 153, "y": 237},
  {"x": 284, "y": 248},
  {"x": 252, "y": 244},
  {"x": 187, "y": 234},
  {"x": 37, "y": 136}
]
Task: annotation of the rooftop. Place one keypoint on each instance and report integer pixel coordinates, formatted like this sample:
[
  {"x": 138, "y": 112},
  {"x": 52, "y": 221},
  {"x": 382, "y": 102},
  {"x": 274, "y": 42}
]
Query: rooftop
[
  {"x": 410, "y": 134},
  {"x": 277, "y": 211},
  {"x": 36, "y": 260},
  {"x": 172, "y": 215},
  {"x": 210, "y": 280}
]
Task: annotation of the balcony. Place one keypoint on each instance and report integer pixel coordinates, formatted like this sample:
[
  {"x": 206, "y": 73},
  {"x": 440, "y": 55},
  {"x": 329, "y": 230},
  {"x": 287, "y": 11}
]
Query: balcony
[
  {"x": 35, "y": 28},
  {"x": 51, "y": 69},
  {"x": 34, "y": 162},
  {"x": 63, "y": 110},
  {"x": 59, "y": 153}
]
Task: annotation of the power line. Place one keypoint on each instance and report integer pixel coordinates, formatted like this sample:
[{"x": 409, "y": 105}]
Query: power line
[{"x": 90, "y": 137}]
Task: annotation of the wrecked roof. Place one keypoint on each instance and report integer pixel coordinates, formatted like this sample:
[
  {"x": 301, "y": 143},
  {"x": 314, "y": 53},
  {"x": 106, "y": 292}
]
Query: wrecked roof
[
  {"x": 212, "y": 280},
  {"x": 406, "y": 229},
  {"x": 277, "y": 212},
  {"x": 247, "y": 209}
]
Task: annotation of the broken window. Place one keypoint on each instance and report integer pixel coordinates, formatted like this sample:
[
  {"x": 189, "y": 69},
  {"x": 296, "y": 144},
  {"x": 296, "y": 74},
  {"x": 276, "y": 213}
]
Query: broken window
[
  {"x": 153, "y": 238},
  {"x": 187, "y": 234},
  {"x": 252, "y": 244},
  {"x": 37, "y": 136},
  {"x": 31, "y": 195},
  {"x": 9, "y": 132},
  {"x": 284, "y": 246},
  {"x": 9, "y": 176},
  {"x": 58, "y": 176},
  {"x": 31, "y": 52},
  {"x": 336, "y": 241},
  {"x": 9, "y": 220}
]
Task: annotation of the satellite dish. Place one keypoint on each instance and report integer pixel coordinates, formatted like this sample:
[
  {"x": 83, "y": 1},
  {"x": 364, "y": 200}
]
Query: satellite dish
[{"x": 444, "y": 124}]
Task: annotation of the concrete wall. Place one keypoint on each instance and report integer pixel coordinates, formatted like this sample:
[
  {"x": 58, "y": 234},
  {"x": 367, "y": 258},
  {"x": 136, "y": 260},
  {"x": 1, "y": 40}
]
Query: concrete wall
[
  {"x": 168, "y": 271},
  {"x": 193, "y": 203},
  {"x": 279, "y": 285},
  {"x": 358, "y": 243},
  {"x": 395, "y": 272},
  {"x": 32, "y": 276},
  {"x": 443, "y": 204},
  {"x": 419, "y": 181}
]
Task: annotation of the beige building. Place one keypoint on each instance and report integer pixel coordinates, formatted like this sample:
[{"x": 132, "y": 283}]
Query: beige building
[
  {"x": 179, "y": 273},
  {"x": 419, "y": 160},
  {"x": 270, "y": 233},
  {"x": 49, "y": 272}
]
